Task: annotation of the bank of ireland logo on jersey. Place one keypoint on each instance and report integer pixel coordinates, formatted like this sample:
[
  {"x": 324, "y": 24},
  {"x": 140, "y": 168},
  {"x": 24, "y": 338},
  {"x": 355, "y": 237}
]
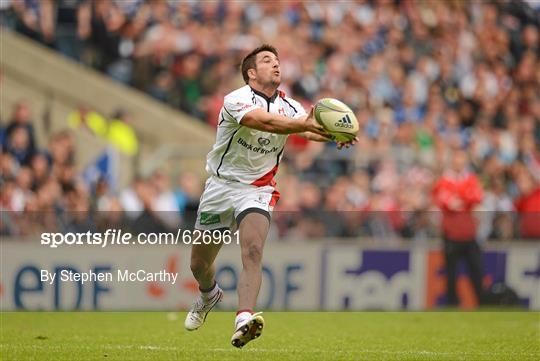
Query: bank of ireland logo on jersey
[
  {"x": 209, "y": 218},
  {"x": 264, "y": 141},
  {"x": 243, "y": 106}
]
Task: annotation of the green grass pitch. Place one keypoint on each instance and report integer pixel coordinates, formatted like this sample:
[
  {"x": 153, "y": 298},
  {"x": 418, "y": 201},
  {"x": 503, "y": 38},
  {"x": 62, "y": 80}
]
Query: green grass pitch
[{"x": 287, "y": 336}]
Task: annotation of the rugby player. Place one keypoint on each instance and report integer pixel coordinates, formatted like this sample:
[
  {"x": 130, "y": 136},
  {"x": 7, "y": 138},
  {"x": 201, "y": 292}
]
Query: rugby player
[{"x": 253, "y": 126}]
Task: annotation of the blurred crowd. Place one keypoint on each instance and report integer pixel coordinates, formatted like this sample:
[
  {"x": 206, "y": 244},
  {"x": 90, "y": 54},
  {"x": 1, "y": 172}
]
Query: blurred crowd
[
  {"x": 44, "y": 189},
  {"x": 425, "y": 79}
]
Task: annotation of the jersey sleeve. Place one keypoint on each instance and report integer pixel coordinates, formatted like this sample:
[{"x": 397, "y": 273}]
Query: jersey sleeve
[
  {"x": 296, "y": 109},
  {"x": 236, "y": 106}
]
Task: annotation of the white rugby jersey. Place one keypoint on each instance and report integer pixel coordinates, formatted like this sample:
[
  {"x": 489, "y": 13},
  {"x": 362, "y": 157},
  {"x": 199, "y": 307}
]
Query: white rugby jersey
[{"x": 248, "y": 155}]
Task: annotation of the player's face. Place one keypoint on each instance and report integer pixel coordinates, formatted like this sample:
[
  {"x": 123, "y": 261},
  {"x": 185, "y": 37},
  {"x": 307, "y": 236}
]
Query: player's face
[{"x": 268, "y": 70}]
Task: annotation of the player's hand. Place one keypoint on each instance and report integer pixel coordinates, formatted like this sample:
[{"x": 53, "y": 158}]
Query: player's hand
[
  {"x": 347, "y": 144},
  {"x": 311, "y": 125}
]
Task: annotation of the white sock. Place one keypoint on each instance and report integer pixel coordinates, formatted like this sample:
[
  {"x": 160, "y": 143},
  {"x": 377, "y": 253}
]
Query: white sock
[
  {"x": 241, "y": 317},
  {"x": 208, "y": 295}
]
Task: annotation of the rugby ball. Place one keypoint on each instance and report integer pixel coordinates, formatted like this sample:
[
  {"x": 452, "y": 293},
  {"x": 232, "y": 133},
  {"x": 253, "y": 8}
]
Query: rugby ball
[{"x": 337, "y": 119}]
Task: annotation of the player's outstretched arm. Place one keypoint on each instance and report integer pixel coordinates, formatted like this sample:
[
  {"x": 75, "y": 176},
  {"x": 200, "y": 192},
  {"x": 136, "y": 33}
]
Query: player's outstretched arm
[
  {"x": 314, "y": 137},
  {"x": 319, "y": 138},
  {"x": 274, "y": 123}
]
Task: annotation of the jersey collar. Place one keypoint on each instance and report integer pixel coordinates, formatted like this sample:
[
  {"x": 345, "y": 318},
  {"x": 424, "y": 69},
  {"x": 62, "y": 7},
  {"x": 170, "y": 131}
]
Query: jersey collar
[{"x": 262, "y": 95}]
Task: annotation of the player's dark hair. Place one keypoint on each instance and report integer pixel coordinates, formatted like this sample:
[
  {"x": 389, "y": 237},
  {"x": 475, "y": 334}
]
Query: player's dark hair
[{"x": 249, "y": 61}]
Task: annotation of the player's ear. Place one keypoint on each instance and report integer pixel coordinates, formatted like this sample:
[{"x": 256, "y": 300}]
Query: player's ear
[{"x": 251, "y": 73}]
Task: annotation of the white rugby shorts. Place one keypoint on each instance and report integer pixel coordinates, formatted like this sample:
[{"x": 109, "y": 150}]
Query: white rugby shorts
[{"x": 224, "y": 203}]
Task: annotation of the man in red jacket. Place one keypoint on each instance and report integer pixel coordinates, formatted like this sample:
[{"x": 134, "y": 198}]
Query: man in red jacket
[
  {"x": 456, "y": 193},
  {"x": 528, "y": 204}
]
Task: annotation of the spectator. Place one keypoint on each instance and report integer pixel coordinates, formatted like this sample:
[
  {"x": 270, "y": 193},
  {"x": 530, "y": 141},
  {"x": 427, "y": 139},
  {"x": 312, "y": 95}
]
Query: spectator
[
  {"x": 35, "y": 19},
  {"x": 496, "y": 213},
  {"x": 187, "y": 193},
  {"x": 122, "y": 135},
  {"x": 151, "y": 219},
  {"x": 9, "y": 198},
  {"x": 456, "y": 193},
  {"x": 24, "y": 187},
  {"x": 7, "y": 14},
  {"x": 22, "y": 118},
  {"x": 41, "y": 168},
  {"x": 164, "y": 203},
  {"x": 88, "y": 120},
  {"x": 67, "y": 39},
  {"x": 130, "y": 199},
  {"x": 528, "y": 204},
  {"x": 100, "y": 23},
  {"x": 8, "y": 166},
  {"x": 62, "y": 149},
  {"x": 188, "y": 86},
  {"x": 19, "y": 146},
  {"x": 112, "y": 216},
  {"x": 77, "y": 217},
  {"x": 101, "y": 197}
]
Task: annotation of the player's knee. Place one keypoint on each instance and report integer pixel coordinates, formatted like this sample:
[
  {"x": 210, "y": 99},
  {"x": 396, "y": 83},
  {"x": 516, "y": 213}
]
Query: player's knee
[
  {"x": 199, "y": 267},
  {"x": 253, "y": 254}
]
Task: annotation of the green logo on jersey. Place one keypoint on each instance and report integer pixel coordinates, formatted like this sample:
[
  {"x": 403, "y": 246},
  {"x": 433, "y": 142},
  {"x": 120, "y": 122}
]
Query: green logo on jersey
[{"x": 209, "y": 218}]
